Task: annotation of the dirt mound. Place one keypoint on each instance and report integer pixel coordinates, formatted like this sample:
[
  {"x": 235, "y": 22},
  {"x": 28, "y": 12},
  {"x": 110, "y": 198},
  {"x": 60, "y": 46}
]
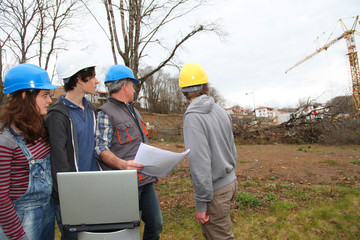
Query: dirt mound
[{"x": 163, "y": 124}]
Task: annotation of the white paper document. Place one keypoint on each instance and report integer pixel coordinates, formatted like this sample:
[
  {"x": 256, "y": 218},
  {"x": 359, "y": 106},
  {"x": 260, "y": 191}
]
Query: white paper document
[{"x": 158, "y": 162}]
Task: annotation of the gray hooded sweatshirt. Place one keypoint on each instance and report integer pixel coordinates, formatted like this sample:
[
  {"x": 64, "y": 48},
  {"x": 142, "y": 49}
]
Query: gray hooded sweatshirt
[{"x": 208, "y": 134}]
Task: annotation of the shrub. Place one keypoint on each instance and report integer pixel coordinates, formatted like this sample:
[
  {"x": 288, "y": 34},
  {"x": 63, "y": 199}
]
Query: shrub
[
  {"x": 271, "y": 197},
  {"x": 247, "y": 200}
]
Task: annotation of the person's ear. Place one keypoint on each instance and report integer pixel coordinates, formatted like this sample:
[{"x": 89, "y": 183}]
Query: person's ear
[
  {"x": 79, "y": 80},
  {"x": 123, "y": 86},
  {"x": 23, "y": 95}
]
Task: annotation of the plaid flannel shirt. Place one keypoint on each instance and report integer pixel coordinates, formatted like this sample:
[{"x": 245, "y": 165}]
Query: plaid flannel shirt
[{"x": 103, "y": 133}]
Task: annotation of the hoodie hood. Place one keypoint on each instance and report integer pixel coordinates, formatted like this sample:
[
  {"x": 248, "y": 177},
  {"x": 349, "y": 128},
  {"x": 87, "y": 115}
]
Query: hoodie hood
[
  {"x": 202, "y": 104},
  {"x": 59, "y": 106}
]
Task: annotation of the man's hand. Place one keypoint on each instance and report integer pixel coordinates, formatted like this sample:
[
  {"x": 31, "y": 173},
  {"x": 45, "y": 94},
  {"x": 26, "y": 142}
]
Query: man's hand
[
  {"x": 131, "y": 165},
  {"x": 113, "y": 161},
  {"x": 201, "y": 217}
]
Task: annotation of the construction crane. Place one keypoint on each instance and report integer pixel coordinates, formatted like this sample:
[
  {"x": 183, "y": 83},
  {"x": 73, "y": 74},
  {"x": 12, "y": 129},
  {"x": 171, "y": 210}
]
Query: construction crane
[{"x": 353, "y": 58}]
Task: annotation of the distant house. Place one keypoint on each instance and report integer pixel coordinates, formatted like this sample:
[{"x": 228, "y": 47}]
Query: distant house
[
  {"x": 281, "y": 117},
  {"x": 99, "y": 97},
  {"x": 55, "y": 93},
  {"x": 237, "y": 111},
  {"x": 266, "y": 112},
  {"x": 276, "y": 116},
  {"x": 241, "y": 111}
]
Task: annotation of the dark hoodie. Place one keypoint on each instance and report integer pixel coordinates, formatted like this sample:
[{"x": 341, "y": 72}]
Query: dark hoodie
[{"x": 64, "y": 154}]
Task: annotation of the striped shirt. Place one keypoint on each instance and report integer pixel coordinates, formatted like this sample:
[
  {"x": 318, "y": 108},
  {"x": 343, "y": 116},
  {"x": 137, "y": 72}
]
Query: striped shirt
[{"x": 14, "y": 180}]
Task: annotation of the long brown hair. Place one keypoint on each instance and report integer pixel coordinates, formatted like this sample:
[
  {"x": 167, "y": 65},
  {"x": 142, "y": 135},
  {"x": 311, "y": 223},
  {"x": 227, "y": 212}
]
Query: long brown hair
[{"x": 24, "y": 115}]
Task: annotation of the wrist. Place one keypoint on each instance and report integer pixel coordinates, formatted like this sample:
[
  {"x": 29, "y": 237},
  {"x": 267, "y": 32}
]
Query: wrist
[{"x": 123, "y": 164}]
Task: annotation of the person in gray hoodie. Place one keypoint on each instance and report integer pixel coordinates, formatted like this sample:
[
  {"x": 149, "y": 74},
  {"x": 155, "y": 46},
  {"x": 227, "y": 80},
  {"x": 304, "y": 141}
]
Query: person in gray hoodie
[{"x": 212, "y": 158}]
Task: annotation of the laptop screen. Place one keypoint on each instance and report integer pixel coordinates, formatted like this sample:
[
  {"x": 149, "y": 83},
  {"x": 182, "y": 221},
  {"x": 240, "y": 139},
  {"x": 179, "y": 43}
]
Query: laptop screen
[{"x": 98, "y": 200}]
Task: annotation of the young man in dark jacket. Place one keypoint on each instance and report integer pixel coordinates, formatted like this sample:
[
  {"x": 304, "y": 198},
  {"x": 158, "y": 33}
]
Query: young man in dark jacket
[{"x": 71, "y": 123}]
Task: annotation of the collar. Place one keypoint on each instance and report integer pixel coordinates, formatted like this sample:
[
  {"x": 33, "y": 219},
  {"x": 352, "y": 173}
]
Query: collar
[{"x": 73, "y": 105}]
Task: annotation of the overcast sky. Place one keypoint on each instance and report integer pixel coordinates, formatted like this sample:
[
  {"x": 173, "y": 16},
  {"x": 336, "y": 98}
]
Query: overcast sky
[{"x": 264, "y": 39}]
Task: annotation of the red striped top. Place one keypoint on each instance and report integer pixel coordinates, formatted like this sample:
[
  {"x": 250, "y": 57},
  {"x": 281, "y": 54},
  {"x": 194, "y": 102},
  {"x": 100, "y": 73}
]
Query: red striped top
[{"x": 14, "y": 180}]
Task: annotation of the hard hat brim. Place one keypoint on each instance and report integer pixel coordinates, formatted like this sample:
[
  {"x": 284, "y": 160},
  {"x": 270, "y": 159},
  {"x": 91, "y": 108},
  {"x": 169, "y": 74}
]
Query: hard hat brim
[
  {"x": 18, "y": 87},
  {"x": 135, "y": 81},
  {"x": 192, "y": 88}
]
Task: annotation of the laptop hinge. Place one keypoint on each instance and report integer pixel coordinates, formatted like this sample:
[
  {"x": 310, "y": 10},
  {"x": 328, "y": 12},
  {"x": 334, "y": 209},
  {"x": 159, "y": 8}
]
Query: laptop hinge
[{"x": 101, "y": 227}]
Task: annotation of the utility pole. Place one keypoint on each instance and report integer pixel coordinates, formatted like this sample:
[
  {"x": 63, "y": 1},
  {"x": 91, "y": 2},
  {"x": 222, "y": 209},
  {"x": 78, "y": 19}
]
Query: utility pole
[{"x": 252, "y": 97}]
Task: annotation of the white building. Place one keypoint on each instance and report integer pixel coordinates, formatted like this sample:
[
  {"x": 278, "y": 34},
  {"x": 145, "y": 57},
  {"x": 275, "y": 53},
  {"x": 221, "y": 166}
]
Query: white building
[
  {"x": 282, "y": 117},
  {"x": 266, "y": 112},
  {"x": 99, "y": 97}
]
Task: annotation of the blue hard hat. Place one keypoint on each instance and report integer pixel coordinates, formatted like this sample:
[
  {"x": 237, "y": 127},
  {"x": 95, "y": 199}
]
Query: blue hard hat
[
  {"x": 26, "y": 76},
  {"x": 118, "y": 72}
]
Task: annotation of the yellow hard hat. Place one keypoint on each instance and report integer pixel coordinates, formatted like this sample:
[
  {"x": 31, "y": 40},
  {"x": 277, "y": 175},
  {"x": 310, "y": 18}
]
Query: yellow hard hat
[{"x": 192, "y": 74}]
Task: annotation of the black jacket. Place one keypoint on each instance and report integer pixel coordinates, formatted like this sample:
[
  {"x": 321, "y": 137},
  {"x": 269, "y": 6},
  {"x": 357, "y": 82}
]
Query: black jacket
[{"x": 64, "y": 155}]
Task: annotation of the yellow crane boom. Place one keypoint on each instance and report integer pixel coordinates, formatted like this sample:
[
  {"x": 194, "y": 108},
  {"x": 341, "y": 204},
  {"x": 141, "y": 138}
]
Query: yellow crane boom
[
  {"x": 353, "y": 58},
  {"x": 325, "y": 47}
]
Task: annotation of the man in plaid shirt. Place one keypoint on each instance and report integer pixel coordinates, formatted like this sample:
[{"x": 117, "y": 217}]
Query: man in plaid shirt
[{"x": 120, "y": 131}]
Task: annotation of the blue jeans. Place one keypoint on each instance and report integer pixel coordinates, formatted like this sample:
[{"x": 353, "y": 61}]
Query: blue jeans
[
  {"x": 150, "y": 212},
  {"x": 37, "y": 221}
]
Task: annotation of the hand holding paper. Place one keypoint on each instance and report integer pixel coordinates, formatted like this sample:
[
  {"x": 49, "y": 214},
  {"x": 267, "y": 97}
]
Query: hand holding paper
[{"x": 157, "y": 162}]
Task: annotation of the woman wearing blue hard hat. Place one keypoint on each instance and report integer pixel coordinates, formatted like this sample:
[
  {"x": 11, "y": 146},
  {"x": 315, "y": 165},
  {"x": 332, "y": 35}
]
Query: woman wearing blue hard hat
[{"x": 26, "y": 208}]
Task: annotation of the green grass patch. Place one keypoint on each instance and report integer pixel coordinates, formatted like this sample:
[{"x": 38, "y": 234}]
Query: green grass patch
[
  {"x": 249, "y": 183},
  {"x": 330, "y": 162},
  {"x": 355, "y": 162},
  {"x": 332, "y": 214},
  {"x": 175, "y": 170},
  {"x": 245, "y": 199},
  {"x": 283, "y": 206},
  {"x": 244, "y": 161},
  {"x": 308, "y": 149},
  {"x": 271, "y": 197},
  {"x": 304, "y": 148}
]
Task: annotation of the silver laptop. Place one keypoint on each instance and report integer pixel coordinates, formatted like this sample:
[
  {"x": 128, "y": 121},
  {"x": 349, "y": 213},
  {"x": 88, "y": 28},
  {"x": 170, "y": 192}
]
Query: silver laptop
[{"x": 99, "y": 200}]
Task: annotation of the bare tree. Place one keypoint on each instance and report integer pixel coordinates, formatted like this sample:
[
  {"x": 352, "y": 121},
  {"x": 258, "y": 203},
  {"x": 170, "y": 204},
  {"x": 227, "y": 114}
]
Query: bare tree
[
  {"x": 56, "y": 18},
  {"x": 19, "y": 21},
  {"x": 163, "y": 94},
  {"x": 139, "y": 24},
  {"x": 34, "y": 27},
  {"x": 156, "y": 91},
  {"x": 213, "y": 92},
  {"x": 341, "y": 105},
  {"x": 2, "y": 44}
]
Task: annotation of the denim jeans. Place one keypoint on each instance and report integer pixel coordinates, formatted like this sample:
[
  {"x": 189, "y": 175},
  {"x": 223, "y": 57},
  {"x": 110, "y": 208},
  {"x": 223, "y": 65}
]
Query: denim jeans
[
  {"x": 150, "y": 212},
  {"x": 35, "y": 208}
]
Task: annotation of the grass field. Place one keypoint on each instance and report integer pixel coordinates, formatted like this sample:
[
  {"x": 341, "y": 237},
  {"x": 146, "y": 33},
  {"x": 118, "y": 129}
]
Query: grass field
[
  {"x": 270, "y": 206},
  {"x": 273, "y": 210},
  {"x": 279, "y": 211}
]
